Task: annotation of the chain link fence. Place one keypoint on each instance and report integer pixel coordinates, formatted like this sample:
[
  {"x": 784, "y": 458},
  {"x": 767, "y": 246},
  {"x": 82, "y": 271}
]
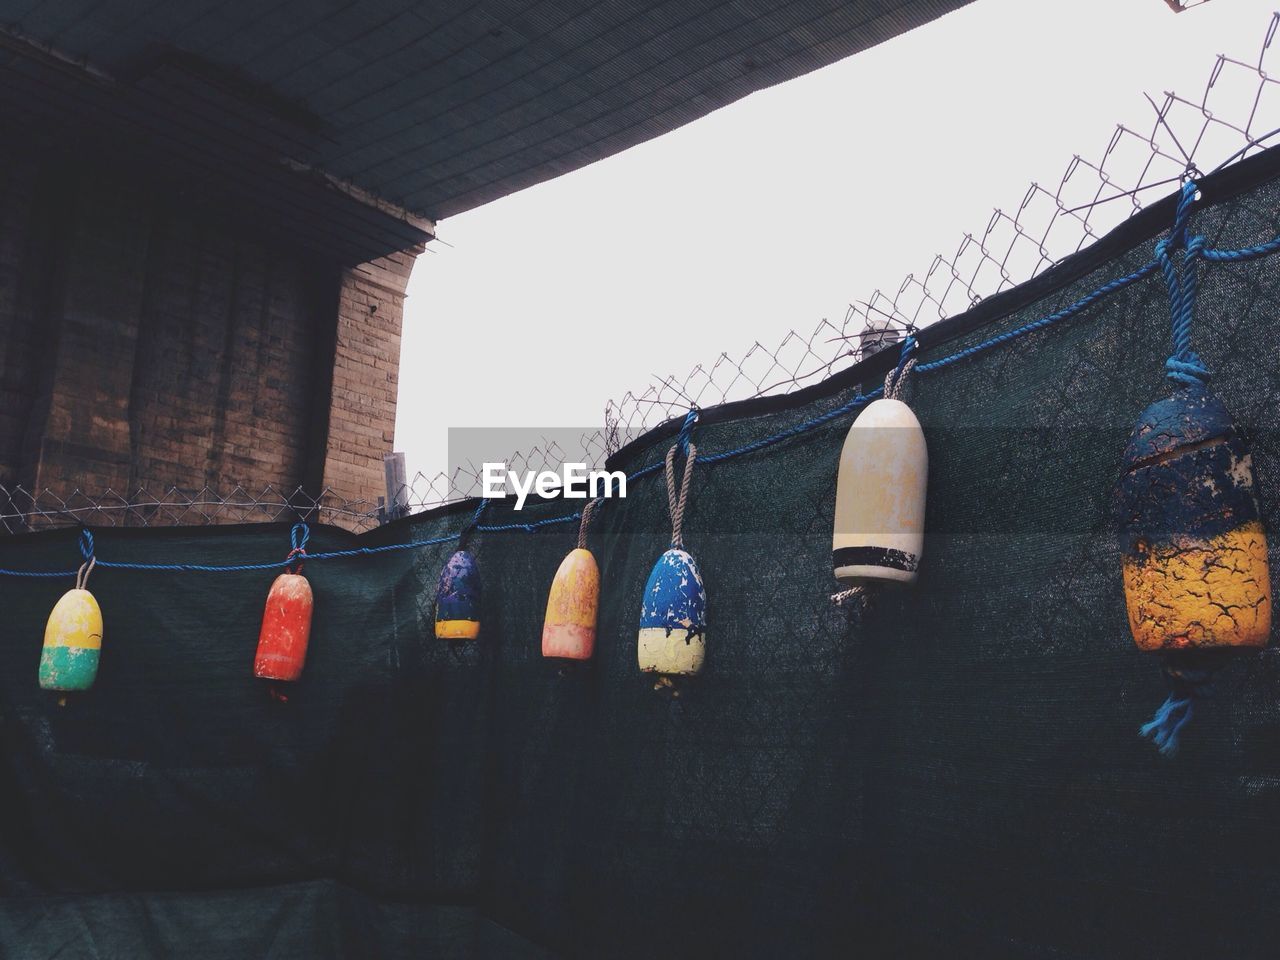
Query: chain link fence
[{"x": 1235, "y": 114}]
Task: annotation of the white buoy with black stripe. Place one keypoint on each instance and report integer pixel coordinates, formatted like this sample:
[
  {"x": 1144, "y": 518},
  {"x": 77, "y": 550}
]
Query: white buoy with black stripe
[{"x": 880, "y": 492}]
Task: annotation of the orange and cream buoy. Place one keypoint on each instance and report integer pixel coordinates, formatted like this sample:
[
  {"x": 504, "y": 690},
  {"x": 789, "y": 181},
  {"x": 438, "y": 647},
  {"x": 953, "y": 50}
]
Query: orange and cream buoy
[
  {"x": 286, "y": 621},
  {"x": 569, "y": 629}
]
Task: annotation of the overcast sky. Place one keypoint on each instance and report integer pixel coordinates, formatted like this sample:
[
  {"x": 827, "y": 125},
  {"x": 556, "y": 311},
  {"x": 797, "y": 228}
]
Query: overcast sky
[{"x": 779, "y": 209}]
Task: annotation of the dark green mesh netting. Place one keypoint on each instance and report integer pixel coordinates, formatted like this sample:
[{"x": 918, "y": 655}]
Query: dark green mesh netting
[{"x": 959, "y": 774}]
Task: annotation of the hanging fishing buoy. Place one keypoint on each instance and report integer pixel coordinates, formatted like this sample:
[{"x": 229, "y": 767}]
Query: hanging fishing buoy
[
  {"x": 286, "y": 621},
  {"x": 1194, "y": 551},
  {"x": 569, "y": 630},
  {"x": 880, "y": 492},
  {"x": 458, "y": 599},
  {"x": 73, "y": 636},
  {"x": 673, "y": 610},
  {"x": 673, "y": 617},
  {"x": 1194, "y": 555}
]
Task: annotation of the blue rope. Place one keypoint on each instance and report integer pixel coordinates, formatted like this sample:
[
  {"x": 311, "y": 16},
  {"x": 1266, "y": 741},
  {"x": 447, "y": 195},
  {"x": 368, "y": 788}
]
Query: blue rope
[
  {"x": 1108, "y": 288},
  {"x": 529, "y": 527},
  {"x": 1188, "y": 685},
  {"x": 908, "y": 347},
  {"x": 1244, "y": 253},
  {"x": 686, "y": 431},
  {"x": 1183, "y": 366}
]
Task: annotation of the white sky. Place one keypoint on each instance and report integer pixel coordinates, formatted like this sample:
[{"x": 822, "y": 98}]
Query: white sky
[{"x": 779, "y": 209}]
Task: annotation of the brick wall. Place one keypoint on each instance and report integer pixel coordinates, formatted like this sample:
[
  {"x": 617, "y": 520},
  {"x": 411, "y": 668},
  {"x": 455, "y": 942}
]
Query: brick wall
[{"x": 147, "y": 344}]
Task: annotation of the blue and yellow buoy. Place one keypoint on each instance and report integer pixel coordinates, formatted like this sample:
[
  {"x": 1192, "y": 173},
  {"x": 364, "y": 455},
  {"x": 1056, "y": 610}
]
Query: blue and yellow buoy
[
  {"x": 1194, "y": 555},
  {"x": 1194, "y": 552},
  {"x": 458, "y": 599}
]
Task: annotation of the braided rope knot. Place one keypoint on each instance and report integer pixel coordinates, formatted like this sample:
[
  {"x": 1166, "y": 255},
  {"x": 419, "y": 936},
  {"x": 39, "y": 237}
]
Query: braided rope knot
[
  {"x": 298, "y": 537},
  {"x": 1184, "y": 366},
  {"x": 1187, "y": 371}
]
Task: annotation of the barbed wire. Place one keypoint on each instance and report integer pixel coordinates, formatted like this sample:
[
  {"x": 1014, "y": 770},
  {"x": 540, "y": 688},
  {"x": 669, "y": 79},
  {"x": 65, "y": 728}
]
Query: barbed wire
[{"x": 1236, "y": 113}]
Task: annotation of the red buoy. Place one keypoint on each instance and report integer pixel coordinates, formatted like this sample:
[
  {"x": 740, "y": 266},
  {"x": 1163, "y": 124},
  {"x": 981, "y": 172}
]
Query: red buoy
[{"x": 286, "y": 628}]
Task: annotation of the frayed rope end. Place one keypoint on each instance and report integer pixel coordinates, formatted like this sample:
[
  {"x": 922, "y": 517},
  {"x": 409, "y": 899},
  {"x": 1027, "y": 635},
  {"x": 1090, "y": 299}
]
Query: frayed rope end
[
  {"x": 1190, "y": 678},
  {"x": 1165, "y": 727}
]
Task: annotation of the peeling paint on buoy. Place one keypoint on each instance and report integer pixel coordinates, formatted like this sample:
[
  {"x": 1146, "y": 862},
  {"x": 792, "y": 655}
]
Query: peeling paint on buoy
[
  {"x": 1194, "y": 552},
  {"x": 880, "y": 496},
  {"x": 72, "y": 643},
  {"x": 458, "y": 599},
  {"x": 286, "y": 629},
  {"x": 569, "y": 630},
  {"x": 673, "y": 617}
]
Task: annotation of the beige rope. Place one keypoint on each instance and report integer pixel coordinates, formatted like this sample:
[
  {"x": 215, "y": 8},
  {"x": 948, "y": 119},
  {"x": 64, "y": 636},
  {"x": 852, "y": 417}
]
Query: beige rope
[
  {"x": 846, "y": 597},
  {"x": 587, "y": 512},
  {"x": 82, "y": 575},
  {"x": 894, "y": 386},
  {"x": 676, "y": 504}
]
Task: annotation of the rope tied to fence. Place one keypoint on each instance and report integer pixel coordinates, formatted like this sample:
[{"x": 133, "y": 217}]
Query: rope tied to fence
[
  {"x": 895, "y": 381},
  {"x": 298, "y": 537},
  {"x": 1184, "y": 366}
]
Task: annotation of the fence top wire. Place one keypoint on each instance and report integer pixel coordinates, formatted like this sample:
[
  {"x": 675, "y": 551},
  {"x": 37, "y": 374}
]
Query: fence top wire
[
  {"x": 1236, "y": 113},
  {"x": 1176, "y": 255}
]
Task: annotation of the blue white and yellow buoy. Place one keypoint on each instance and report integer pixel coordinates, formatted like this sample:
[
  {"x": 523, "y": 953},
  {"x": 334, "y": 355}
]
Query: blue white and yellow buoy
[
  {"x": 673, "y": 617},
  {"x": 1194, "y": 554}
]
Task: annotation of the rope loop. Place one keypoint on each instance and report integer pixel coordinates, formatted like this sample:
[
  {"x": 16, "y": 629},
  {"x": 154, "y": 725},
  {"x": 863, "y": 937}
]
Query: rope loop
[
  {"x": 588, "y": 513},
  {"x": 298, "y": 537},
  {"x": 676, "y": 502},
  {"x": 82, "y": 575},
  {"x": 86, "y": 543}
]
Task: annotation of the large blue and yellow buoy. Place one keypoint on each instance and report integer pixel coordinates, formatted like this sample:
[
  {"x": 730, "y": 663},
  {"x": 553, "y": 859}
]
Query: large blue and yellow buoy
[
  {"x": 673, "y": 617},
  {"x": 72, "y": 643},
  {"x": 1194, "y": 552},
  {"x": 458, "y": 598}
]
